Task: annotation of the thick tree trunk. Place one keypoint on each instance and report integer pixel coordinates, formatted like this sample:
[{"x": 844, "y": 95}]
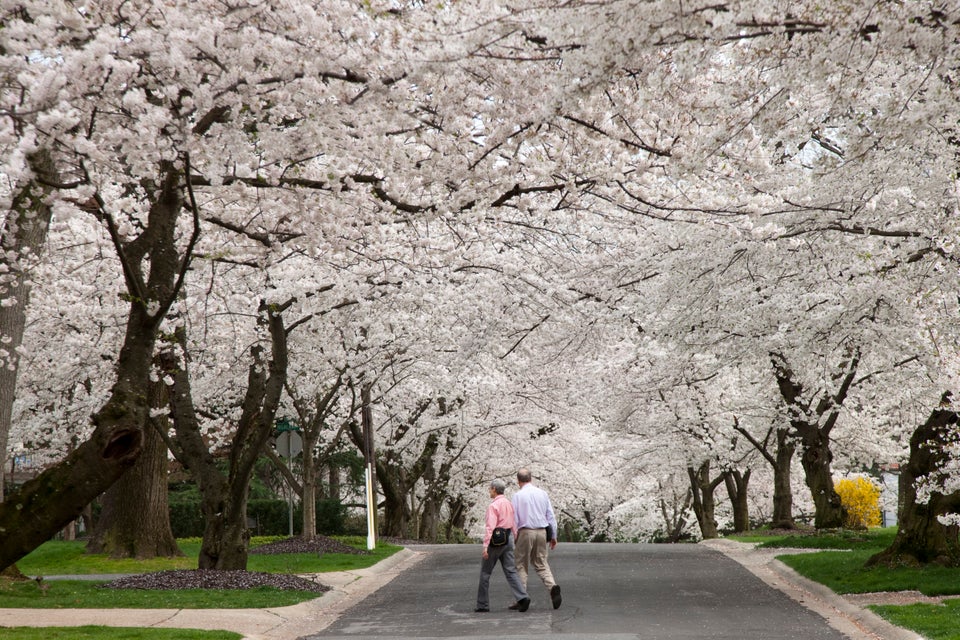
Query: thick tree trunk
[
  {"x": 59, "y": 494},
  {"x": 704, "y": 501},
  {"x": 395, "y": 489},
  {"x": 21, "y": 244},
  {"x": 737, "y": 484},
  {"x": 816, "y": 458},
  {"x": 921, "y": 539},
  {"x": 45, "y": 504},
  {"x": 433, "y": 495},
  {"x": 135, "y": 519}
]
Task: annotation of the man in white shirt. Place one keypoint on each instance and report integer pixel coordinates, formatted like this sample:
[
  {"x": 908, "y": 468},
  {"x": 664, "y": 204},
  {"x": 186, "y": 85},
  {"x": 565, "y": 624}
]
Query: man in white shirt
[{"x": 537, "y": 530}]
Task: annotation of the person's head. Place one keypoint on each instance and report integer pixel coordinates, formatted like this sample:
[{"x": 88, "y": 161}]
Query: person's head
[
  {"x": 497, "y": 487},
  {"x": 523, "y": 476}
]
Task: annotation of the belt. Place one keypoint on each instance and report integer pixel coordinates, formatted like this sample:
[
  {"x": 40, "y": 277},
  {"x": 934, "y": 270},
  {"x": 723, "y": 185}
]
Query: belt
[{"x": 532, "y": 528}]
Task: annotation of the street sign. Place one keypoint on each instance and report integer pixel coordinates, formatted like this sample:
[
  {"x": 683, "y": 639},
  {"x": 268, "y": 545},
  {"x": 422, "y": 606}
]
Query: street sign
[
  {"x": 282, "y": 424},
  {"x": 289, "y": 444}
]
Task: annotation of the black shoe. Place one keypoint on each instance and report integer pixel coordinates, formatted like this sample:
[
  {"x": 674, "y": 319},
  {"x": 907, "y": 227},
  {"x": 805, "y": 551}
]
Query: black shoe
[
  {"x": 523, "y": 605},
  {"x": 555, "y": 596},
  {"x": 514, "y": 606},
  {"x": 481, "y": 610}
]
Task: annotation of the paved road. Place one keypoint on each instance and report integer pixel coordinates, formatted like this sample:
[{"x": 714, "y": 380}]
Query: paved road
[{"x": 610, "y": 592}]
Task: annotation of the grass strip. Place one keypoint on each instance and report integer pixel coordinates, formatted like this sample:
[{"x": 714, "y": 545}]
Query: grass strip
[
  {"x": 85, "y": 594},
  {"x": 934, "y": 622},
  {"x": 92, "y": 632},
  {"x": 875, "y": 539}
]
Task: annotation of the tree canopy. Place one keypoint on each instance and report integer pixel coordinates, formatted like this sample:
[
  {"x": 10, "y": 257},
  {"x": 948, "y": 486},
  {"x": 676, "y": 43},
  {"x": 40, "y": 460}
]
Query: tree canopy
[{"x": 590, "y": 238}]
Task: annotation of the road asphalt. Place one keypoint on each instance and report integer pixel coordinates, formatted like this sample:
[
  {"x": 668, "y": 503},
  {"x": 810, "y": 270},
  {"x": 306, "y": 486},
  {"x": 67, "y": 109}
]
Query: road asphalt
[{"x": 351, "y": 587}]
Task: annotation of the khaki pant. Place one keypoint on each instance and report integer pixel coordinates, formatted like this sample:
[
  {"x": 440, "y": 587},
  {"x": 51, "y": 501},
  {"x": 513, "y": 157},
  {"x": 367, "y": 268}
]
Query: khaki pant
[{"x": 532, "y": 549}]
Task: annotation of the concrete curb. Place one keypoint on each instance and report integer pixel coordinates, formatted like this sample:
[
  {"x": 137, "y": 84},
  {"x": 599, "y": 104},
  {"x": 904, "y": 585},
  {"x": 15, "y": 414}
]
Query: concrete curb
[
  {"x": 856, "y": 622},
  {"x": 280, "y": 623}
]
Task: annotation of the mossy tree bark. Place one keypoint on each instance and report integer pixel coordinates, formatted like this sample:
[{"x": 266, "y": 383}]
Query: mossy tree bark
[{"x": 921, "y": 538}]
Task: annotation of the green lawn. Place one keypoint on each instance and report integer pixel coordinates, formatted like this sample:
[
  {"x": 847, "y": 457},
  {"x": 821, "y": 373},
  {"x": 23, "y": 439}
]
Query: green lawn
[
  {"x": 840, "y": 566},
  {"x": 87, "y": 594},
  {"x": 934, "y": 622},
  {"x": 844, "y": 572},
  {"x": 68, "y": 558}
]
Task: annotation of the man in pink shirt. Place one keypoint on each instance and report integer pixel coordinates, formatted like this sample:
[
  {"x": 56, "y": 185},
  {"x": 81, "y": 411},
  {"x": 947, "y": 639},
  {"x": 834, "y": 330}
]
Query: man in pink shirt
[{"x": 500, "y": 514}]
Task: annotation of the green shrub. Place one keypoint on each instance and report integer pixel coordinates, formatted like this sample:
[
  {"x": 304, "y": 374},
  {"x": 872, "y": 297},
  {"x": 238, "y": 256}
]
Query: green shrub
[
  {"x": 186, "y": 519},
  {"x": 264, "y": 518},
  {"x": 861, "y": 498}
]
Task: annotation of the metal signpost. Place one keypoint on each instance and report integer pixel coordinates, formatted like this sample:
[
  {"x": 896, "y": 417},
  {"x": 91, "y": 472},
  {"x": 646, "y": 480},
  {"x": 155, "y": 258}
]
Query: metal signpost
[{"x": 289, "y": 444}]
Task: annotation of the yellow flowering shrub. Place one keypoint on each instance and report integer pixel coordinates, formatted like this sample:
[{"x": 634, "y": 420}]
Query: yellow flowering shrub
[{"x": 861, "y": 497}]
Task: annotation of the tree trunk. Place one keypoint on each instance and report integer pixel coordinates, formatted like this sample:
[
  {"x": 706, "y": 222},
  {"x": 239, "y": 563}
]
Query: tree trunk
[
  {"x": 135, "y": 519},
  {"x": 433, "y": 495},
  {"x": 313, "y": 417},
  {"x": 45, "y": 504},
  {"x": 737, "y": 483},
  {"x": 814, "y": 432},
  {"x": 675, "y": 514},
  {"x": 457, "y": 516},
  {"x": 816, "y": 458},
  {"x": 395, "y": 488},
  {"x": 21, "y": 244},
  {"x": 334, "y": 482},
  {"x": 704, "y": 502},
  {"x": 225, "y": 541},
  {"x": 781, "y": 461},
  {"x": 921, "y": 539},
  {"x": 782, "y": 465},
  {"x": 309, "y": 470}
]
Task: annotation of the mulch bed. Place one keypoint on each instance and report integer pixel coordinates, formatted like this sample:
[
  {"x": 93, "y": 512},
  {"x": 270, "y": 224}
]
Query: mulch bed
[
  {"x": 180, "y": 579},
  {"x": 237, "y": 579}
]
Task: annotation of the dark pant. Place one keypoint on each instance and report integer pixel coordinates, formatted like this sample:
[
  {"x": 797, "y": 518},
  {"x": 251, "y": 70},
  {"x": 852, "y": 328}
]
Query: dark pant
[{"x": 504, "y": 555}]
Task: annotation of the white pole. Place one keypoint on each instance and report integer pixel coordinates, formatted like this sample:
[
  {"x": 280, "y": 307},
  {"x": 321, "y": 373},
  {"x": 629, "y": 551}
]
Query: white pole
[{"x": 371, "y": 510}]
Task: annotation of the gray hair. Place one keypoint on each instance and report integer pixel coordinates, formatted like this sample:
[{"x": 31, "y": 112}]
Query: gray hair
[{"x": 499, "y": 486}]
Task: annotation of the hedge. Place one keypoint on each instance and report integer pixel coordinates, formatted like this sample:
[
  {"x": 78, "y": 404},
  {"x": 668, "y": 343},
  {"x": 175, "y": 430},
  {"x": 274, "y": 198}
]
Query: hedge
[{"x": 264, "y": 518}]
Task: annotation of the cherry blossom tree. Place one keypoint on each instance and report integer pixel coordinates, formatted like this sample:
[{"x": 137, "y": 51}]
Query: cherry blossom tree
[{"x": 510, "y": 195}]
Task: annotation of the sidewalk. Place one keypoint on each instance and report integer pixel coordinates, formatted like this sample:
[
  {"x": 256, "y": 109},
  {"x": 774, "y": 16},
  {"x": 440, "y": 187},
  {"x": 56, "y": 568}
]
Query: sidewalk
[{"x": 281, "y": 623}]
